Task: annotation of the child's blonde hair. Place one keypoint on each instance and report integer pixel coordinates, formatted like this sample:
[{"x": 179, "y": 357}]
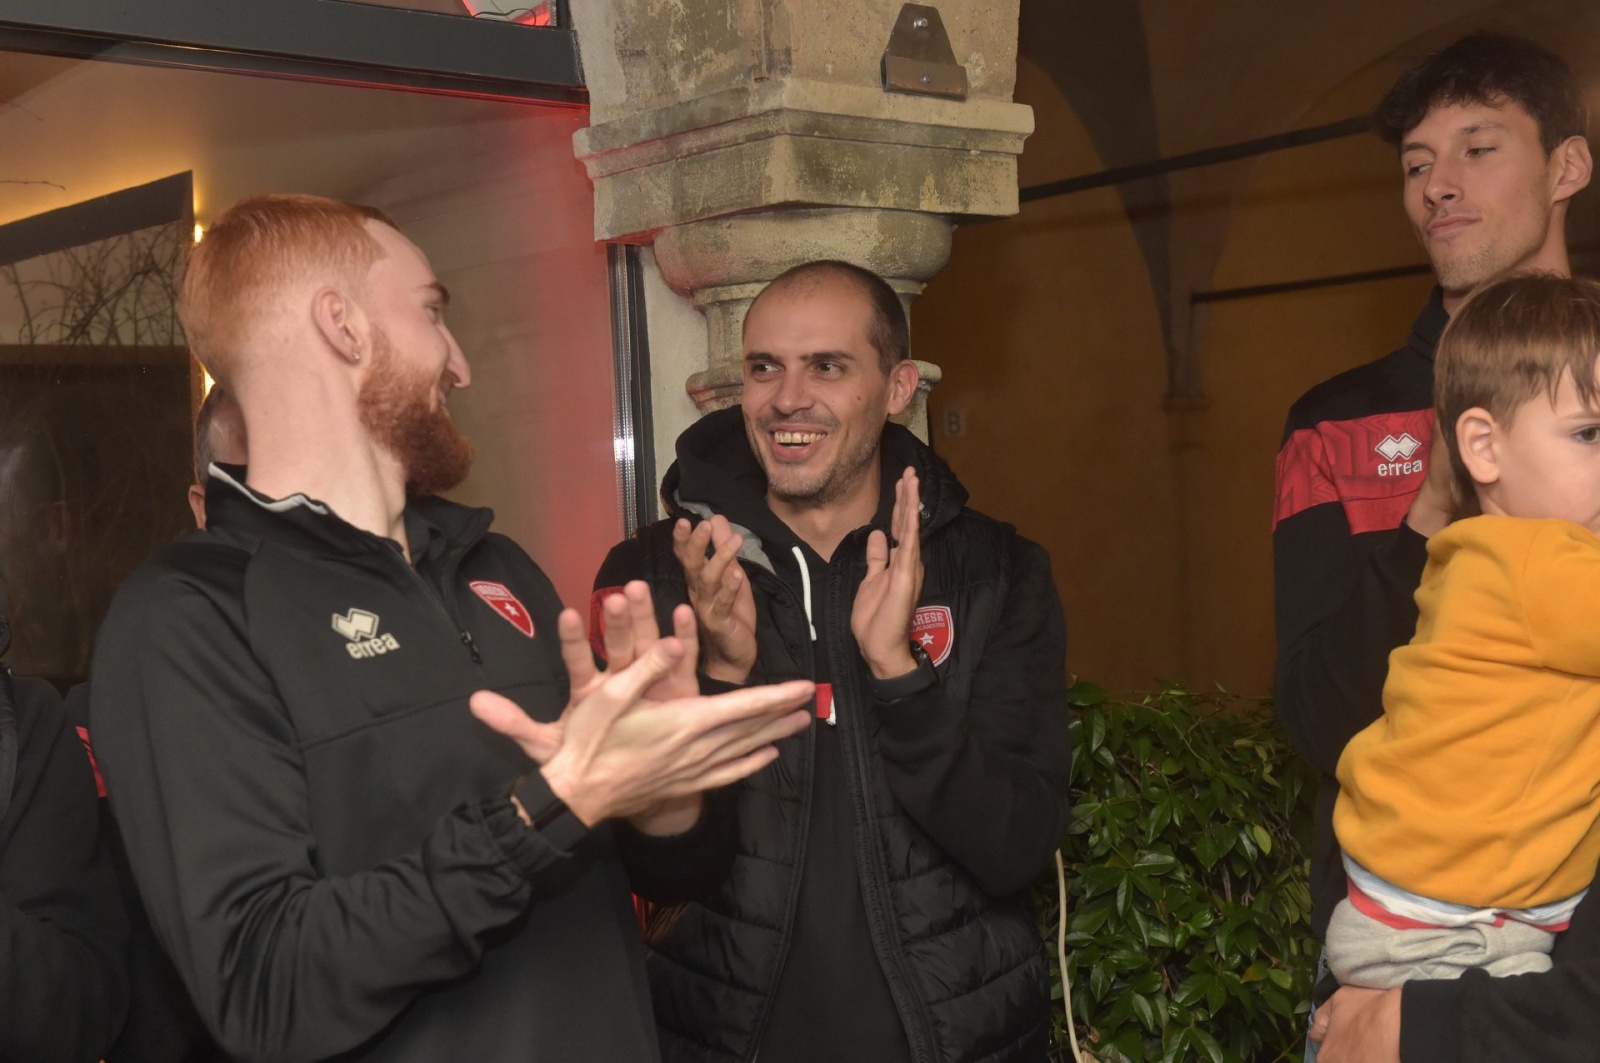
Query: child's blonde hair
[{"x": 1511, "y": 341}]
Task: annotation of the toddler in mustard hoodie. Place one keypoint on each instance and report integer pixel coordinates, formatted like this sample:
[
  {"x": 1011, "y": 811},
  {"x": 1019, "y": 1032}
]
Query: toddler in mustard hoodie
[{"x": 1469, "y": 813}]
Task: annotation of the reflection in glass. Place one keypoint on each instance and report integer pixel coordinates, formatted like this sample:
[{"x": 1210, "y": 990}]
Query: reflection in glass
[
  {"x": 94, "y": 403},
  {"x": 96, "y": 395}
]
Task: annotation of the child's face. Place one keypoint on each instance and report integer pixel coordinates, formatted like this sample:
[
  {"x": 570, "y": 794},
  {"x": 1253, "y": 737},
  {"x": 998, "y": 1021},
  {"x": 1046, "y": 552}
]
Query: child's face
[{"x": 1549, "y": 461}]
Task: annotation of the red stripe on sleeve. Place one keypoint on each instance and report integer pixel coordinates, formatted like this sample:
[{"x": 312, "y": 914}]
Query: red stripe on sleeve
[
  {"x": 1303, "y": 476},
  {"x": 94, "y": 765},
  {"x": 1372, "y": 466}
]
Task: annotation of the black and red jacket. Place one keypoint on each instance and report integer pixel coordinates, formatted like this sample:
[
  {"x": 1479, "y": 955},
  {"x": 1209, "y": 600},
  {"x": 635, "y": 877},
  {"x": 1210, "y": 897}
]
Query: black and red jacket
[
  {"x": 63, "y": 939},
  {"x": 1354, "y": 455}
]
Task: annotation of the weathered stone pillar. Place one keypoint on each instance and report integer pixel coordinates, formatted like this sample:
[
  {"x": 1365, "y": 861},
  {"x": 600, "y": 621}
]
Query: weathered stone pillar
[{"x": 742, "y": 137}]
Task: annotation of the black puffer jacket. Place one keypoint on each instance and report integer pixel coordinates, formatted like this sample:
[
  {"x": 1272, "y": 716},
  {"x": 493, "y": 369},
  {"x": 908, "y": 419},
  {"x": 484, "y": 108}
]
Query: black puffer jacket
[{"x": 960, "y": 791}]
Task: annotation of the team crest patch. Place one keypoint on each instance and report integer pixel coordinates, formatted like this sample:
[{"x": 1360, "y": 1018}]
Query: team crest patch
[
  {"x": 498, "y": 596},
  {"x": 935, "y": 628}
]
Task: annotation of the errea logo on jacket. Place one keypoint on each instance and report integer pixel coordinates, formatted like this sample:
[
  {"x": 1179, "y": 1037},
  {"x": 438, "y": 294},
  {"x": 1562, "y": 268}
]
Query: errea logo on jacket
[
  {"x": 361, "y": 628},
  {"x": 1370, "y": 466},
  {"x": 1397, "y": 451}
]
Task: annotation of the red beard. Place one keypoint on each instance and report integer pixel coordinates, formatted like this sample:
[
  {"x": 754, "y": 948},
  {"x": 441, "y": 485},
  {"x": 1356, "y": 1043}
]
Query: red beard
[{"x": 401, "y": 412}]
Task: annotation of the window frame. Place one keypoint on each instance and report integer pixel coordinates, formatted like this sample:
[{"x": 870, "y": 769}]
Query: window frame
[{"x": 334, "y": 41}]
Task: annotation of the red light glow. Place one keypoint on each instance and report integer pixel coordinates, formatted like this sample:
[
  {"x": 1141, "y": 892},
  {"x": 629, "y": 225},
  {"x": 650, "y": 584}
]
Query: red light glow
[{"x": 539, "y": 14}]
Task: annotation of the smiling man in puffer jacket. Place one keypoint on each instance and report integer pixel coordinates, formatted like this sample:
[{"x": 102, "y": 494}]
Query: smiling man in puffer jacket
[{"x": 878, "y": 905}]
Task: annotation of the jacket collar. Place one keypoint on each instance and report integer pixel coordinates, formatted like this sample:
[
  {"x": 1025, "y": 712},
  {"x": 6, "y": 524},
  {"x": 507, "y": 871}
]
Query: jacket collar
[
  {"x": 434, "y": 526},
  {"x": 1425, "y": 330},
  {"x": 716, "y": 472}
]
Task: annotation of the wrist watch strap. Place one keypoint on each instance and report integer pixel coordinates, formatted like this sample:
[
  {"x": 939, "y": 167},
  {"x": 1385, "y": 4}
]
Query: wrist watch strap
[{"x": 552, "y": 819}]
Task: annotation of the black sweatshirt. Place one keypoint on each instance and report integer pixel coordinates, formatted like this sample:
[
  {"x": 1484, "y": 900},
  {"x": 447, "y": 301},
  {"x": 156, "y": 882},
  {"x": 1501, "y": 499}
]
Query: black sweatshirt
[
  {"x": 322, "y": 833},
  {"x": 162, "y": 1026},
  {"x": 1354, "y": 456},
  {"x": 63, "y": 940}
]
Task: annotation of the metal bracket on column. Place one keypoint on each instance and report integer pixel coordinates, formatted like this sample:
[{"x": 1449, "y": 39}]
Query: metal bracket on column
[{"x": 918, "y": 59}]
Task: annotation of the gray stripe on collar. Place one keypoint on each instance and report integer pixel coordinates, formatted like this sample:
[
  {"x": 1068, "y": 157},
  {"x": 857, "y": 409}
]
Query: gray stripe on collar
[{"x": 283, "y": 505}]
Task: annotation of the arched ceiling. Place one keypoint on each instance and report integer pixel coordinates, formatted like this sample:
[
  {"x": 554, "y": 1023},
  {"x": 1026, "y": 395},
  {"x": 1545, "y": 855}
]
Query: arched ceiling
[{"x": 1166, "y": 77}]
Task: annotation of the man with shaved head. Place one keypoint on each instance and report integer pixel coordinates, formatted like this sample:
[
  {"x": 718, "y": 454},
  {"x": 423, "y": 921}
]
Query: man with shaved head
[
  {"x": 342, "y": 859},
  {"x": 878, "y": 908},
  {"x": 218, "y": 437}
]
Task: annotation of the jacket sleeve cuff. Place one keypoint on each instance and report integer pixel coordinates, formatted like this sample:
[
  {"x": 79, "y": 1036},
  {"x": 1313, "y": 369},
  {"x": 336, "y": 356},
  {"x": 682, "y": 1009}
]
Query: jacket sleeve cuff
[
  {"x": 530, "y": 850},
  {"x": 709, "y": 686},
  {"x": 682, "y": 867},
  {"x": 1430, "y": 1021},
  {"x": 916, "y": 726},
  {"x": 701, "y": 841}
]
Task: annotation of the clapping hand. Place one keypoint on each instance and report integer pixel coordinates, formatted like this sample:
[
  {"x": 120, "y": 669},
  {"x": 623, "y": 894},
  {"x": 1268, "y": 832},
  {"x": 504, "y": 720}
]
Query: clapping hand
[
  {"x": 636, "y": 740},
  {"x": 887, "y": 597},
  {"x": 720, "y": 593}
]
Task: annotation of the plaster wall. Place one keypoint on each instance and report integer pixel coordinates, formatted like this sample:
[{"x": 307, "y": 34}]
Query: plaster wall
[
  {"x": 1054, "y": 362},
  {"x": 1318, "y": 211},
  {"x": 677, "y": 334},
  {"x": 505, "y": 220},
  {"x": 1159, "y": 520}
]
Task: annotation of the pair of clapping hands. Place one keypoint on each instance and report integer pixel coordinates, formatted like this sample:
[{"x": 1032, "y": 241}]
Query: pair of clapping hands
[
  {"x": 885, "y": 602},
  {"x": 639, "y": 741}
]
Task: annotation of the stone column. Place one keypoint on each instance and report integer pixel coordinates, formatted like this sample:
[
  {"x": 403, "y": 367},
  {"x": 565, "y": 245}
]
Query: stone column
[{"x": 742, "y": 137}]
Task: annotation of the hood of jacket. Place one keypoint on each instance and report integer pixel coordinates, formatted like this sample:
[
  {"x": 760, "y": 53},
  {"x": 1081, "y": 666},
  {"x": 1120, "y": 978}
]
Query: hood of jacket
[{"x": 716, "y": 472}]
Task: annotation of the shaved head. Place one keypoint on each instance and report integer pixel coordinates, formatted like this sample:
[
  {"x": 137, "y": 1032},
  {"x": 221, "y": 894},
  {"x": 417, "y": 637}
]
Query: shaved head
[{"x": 889, "y": 333}]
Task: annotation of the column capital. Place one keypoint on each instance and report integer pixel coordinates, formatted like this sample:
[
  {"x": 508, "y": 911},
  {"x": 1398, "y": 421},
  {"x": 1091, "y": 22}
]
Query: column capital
[
  {"x": 793, "y": 142},
  {"x": 743, "y": 137}
]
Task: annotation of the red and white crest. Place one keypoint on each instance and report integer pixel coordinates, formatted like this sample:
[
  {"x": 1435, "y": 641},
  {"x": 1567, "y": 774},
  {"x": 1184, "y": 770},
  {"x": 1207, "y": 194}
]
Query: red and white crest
[
  {"x": 935, "y": 628},
  {"x": 499, "y": 598},
  {"x": 597, "y": 620}
]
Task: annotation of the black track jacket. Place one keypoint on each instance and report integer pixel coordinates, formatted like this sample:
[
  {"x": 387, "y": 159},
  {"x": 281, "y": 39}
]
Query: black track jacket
[
  {"x": 321, "y": 831},
  {"x": 1353, "y": 457},
  {"x": 959, "y": 792}
]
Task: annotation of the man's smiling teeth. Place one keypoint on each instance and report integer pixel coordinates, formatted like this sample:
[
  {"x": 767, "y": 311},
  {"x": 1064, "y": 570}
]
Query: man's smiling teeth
[{"x": 796, "y": 439}]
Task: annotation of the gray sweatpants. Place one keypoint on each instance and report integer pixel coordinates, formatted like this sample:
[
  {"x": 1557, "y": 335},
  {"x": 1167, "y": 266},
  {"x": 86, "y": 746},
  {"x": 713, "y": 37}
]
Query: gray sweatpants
[{"x": 1362, "y": 951}]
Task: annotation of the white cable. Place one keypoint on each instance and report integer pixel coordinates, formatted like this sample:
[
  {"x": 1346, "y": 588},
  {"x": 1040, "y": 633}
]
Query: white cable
[{"x": 1061, "y": 954}]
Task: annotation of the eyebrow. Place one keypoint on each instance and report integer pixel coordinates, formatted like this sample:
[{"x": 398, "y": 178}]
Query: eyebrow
[
  {"x": 1464, "y": 131},
  {"x": 813, "y": 356}
]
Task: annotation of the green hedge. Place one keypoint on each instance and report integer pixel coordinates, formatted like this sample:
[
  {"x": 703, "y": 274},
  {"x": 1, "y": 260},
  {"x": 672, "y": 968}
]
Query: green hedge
[{"x": 1188, "y": 894}]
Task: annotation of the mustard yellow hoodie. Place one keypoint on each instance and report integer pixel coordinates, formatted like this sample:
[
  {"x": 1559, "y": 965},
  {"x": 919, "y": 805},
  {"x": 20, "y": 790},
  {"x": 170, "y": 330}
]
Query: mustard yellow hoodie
[{"x": 1480, "y": 784}]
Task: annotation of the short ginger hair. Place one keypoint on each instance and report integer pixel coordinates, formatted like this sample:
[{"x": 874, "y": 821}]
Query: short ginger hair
[
  {"x": 254, "y": 250},
  {"x": 1513, "y": 340}
]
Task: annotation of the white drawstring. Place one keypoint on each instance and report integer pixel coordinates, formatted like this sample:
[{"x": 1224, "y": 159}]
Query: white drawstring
[
  {"x": 805, "y": 594},
  {"x": 805, "y": 588}
]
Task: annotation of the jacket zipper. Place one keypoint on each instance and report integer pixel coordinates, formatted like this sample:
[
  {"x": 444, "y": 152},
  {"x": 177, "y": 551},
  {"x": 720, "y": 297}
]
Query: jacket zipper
[
  {"x": 884, "y": 937},
  {"x": 462, "y": 634},
  {"x": 805, "y": 834}
]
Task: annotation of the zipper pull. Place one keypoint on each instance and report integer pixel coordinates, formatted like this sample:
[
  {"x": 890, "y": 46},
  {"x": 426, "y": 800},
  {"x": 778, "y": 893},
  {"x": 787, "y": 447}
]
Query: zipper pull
[{"x": 472, "y": 647}]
